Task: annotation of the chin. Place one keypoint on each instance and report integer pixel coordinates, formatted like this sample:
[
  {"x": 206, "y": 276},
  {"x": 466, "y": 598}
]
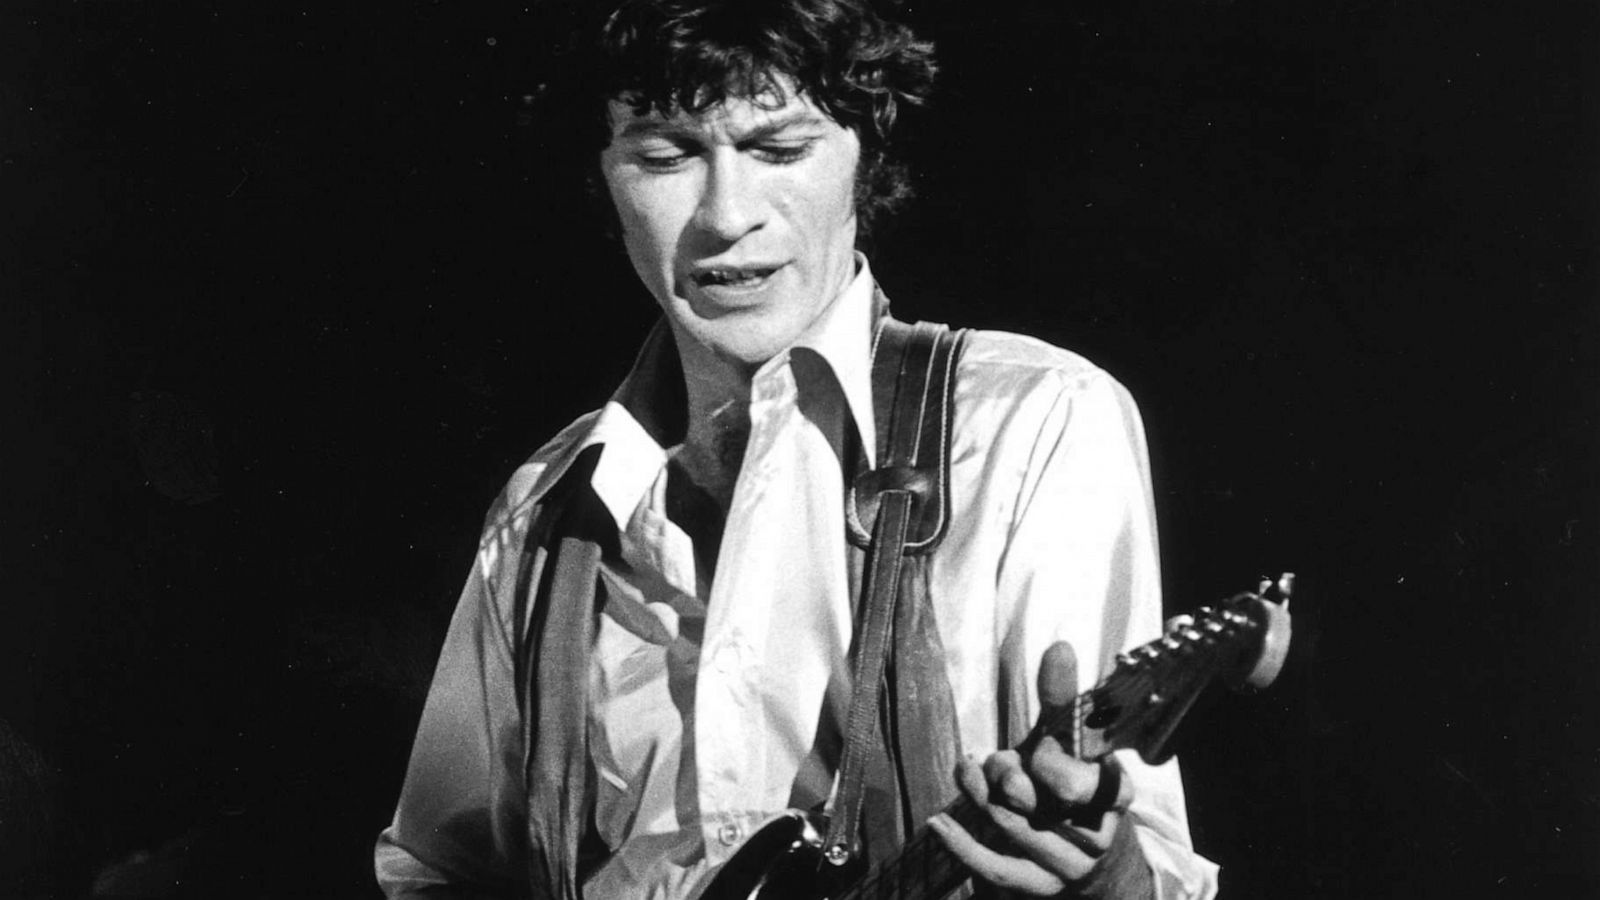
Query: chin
[
  {"x": 750, "y": 336},
  {"x": 747, "y": 350}
]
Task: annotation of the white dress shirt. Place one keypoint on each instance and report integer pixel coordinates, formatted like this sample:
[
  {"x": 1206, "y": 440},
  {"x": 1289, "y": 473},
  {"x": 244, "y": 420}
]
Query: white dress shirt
[{"x": 712, "y": 694}]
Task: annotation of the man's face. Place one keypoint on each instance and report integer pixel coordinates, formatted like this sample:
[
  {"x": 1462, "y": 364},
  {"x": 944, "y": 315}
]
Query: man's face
[{"x": 740, "y": 221}]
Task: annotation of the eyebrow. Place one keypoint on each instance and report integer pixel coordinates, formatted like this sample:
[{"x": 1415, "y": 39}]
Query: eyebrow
[{"x": 654, "y": 125}]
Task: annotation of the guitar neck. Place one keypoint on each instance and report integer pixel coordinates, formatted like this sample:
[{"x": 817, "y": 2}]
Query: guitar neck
[{"x": 924, "y": 867}]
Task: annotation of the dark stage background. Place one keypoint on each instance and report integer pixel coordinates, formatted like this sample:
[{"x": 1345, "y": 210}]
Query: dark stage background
[{"x": 288, "y": 290}]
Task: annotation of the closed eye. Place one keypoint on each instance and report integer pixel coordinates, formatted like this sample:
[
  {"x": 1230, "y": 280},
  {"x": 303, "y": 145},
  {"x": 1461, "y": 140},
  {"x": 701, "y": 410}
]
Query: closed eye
[
  {"x": 783, "y": 153},
  {"x": 660, "y": 155},
  {"x": 663, "y": 157}
]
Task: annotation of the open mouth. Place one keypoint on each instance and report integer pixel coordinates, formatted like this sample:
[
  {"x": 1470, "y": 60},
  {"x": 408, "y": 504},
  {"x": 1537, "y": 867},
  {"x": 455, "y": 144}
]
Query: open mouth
[{"x": 733, "y": 277}]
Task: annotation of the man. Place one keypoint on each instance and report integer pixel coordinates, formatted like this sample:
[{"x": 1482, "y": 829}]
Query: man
[{"x": 650, "y": 656}]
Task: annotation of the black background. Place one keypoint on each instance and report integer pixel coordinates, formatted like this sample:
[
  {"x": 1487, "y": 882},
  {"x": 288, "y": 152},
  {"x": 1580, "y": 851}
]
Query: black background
[{"x": 288, "y": 290}]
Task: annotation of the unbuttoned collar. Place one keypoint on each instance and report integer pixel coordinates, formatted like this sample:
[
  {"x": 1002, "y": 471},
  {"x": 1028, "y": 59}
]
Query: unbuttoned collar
[{"x": 647, "y": 414}]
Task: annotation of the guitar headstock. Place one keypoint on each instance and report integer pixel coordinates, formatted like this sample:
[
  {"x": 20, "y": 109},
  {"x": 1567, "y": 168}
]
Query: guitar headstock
[{"x": 1242, "y": 640}]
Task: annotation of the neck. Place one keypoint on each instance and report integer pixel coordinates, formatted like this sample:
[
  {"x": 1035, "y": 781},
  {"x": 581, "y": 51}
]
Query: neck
[{"x": 718, "y": 394}]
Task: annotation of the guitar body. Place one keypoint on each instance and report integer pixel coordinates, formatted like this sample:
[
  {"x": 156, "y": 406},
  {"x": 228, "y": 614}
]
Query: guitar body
[{"x": 783, "y": 861}]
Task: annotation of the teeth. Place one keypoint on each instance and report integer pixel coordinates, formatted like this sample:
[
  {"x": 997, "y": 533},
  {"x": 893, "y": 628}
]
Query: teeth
[{"x": 733, "y": 276}]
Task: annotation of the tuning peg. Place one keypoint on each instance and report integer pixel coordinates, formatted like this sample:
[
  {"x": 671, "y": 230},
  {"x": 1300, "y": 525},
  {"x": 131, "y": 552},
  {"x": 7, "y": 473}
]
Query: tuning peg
[
  {"x": 1266, "y": 613},
  {"x": 1178, "y": 623},
  {"x": 1279, "y": 591}
]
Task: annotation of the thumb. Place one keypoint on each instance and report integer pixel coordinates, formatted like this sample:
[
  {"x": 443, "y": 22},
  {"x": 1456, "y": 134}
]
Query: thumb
[
  {"x": 1058, "y": 678},
  {"x": 1058, "y": 687}
]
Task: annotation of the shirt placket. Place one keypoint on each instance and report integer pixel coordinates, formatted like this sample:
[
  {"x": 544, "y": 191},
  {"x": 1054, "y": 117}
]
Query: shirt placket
[{"x": 727, "y": 750}]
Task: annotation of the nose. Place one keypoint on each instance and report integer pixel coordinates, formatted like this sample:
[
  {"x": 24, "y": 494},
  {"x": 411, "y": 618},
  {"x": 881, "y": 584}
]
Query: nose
[{"x": 730, "y": 204}]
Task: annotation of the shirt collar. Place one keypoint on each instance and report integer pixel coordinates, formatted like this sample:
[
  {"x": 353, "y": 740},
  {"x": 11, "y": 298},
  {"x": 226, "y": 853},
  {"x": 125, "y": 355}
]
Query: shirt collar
[
  {"x": 646, "y": 415},
  {"x": 844, "y": 339}
]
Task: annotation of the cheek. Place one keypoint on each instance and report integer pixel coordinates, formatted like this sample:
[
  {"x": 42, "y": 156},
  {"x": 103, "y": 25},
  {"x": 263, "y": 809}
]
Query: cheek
[
  {"x": 649, "y": 226},
  {"x": 829, "y": 201},
  {"x": 820, "y": 200},
  {"x": 842, "y": 184}
]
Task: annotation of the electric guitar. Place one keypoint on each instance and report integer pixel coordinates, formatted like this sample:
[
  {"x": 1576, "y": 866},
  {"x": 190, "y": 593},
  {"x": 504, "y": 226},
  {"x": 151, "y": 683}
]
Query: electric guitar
[{"x": 1242, "y": 640}]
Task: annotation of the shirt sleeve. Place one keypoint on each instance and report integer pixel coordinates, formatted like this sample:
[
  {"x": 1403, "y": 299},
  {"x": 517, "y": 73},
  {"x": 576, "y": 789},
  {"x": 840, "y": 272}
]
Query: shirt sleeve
[
  {"x": 459, "y": 826},
  {"x": 1082, "y": 565}
]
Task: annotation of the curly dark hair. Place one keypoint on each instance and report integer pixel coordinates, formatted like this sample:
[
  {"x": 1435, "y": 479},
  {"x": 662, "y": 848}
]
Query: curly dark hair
[{"x": 859, "y": 68}]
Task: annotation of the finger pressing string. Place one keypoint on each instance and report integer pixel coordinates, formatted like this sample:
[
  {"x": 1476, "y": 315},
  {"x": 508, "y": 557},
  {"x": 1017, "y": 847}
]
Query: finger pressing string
[{"x": 1106, "y": 797}]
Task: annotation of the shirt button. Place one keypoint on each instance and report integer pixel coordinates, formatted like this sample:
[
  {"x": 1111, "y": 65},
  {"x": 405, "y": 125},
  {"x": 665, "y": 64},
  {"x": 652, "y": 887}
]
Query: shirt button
[{"x": 729, "y": 833}]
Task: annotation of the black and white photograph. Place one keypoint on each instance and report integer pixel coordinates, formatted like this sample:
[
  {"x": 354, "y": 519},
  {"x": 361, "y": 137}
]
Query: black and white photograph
[{"x": 799, "y": 449}]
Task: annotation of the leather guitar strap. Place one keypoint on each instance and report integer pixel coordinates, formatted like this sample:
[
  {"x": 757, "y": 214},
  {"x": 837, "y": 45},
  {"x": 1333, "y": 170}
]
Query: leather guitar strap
[{"x": 897, "y": 511}]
